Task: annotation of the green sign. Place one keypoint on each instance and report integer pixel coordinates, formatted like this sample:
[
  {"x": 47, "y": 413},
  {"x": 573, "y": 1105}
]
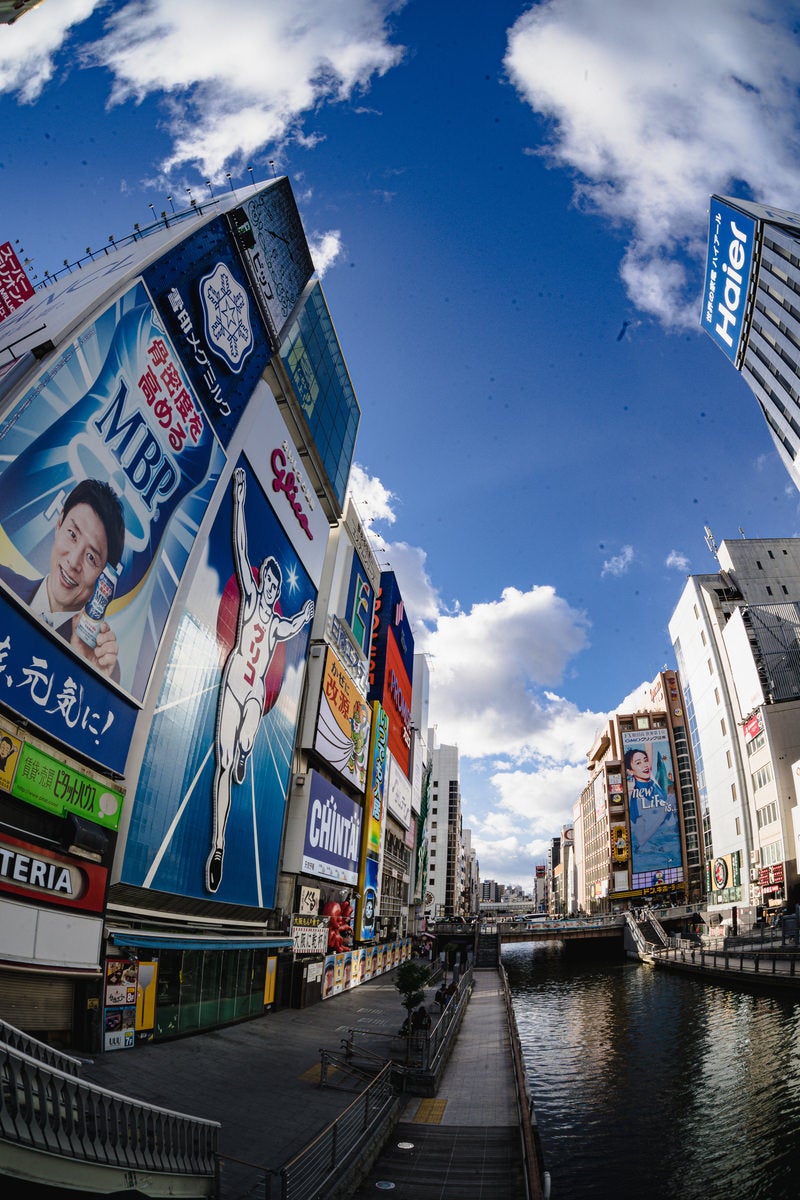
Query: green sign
[{"x": 48, "y": 783}]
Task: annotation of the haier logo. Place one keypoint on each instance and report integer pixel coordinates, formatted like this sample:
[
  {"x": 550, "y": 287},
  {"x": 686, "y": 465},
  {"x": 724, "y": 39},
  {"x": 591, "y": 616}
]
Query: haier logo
[{"x": 730, "y": 257}]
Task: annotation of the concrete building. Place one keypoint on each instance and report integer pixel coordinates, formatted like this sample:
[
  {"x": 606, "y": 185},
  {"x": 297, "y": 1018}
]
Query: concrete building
[
  {"x": 445, "y": 870},
  {"x": 638, "y": 813},
  {"x": 736, "y": 635},
  {"x": 752, "y": 309}
]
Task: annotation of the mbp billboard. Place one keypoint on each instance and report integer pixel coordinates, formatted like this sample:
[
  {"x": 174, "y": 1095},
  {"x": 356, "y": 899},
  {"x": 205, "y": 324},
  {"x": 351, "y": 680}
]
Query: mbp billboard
[
  {"x": 107, "y": 466},
  {"x": 730, "y": 258},
  {"x": 211, "y": 796},
  {"x": 653, "y": 808}
]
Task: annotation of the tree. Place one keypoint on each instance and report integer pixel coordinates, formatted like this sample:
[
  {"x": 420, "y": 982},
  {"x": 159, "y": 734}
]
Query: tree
[{"x": 410, "y": 983}]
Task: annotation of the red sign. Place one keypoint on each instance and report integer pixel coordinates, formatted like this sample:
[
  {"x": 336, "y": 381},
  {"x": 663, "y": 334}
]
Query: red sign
[
  {"x": 38, "y": 874},
  {"x": 15, "y": 287},
  {"x": 752, "y": 727},
  {"x": 777, "y": 873}
]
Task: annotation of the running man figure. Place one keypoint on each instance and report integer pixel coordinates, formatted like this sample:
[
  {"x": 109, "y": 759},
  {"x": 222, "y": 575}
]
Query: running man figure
[{"x": 259, "y": 629}]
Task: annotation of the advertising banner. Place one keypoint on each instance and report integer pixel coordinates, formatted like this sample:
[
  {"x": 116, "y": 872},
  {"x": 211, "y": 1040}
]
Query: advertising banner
[
  {"x": 309, "y": 934},
  {"x": 15, "y": 287},
  {"x": 107, "y": 466},
  {"x": 39, "y": 874},
  {"x": 212, "y": 789},
  {"x": 398, "y": 791},
  {"x": 119, "y": 1014},
  {"x": 270, "y": 238},
  {"x": 653, "y": 809},
  {"x": 731, "y": 237},
  {"x": 333, "y": 833},
  {"x": 343, "y": 724},
  {"x": 368, "y": 880},
  {"x": 350, "y": 968},
  {"x": 201, "y": 292},
  {"x": 75, "y": 707}
]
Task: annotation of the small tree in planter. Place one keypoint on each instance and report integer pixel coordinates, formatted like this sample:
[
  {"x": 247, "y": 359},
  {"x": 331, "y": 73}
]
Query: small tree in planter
[{"x": 410, "y": 983}]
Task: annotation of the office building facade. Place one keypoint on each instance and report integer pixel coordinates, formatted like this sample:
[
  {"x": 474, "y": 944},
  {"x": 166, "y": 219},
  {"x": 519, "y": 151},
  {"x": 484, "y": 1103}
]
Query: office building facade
[{"x": 751, "y": 310}]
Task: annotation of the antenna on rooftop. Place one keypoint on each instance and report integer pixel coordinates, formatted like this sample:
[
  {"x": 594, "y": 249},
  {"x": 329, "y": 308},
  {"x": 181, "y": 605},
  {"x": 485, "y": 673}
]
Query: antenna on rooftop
[
  {"x": 742, "y": 532},
  {"x": 710, "y": 540}
]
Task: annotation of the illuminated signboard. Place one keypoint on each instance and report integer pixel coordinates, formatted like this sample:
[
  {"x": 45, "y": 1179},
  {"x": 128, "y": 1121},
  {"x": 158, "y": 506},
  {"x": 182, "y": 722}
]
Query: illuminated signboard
[
  {"x": 333, "y": 833},
  {"x": 653, "y": 808},
  {"x": 38, "y": 874},
  {"x": 15, "y": 287},
  {"x": 343, "y": 723},
  {"x": 44, "y": 781}
]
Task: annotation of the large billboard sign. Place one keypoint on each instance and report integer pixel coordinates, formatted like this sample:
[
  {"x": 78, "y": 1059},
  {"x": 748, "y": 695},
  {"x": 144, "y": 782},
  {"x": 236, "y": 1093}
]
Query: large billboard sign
[
  {"x": 107, "y": 466},
  {"x": 202, "y": 295},
  {"x": 219, "y": 754},
  {"x": 333, "y": 833},
  {"x": 343, "y": 723},
  {"x": 270, "y": 238},
  {"x": 730, "y": 258},
  {"x": 653, "y": 808},
  {"x": 15, "y": 287},
  {"x": 368, "y": 882}
]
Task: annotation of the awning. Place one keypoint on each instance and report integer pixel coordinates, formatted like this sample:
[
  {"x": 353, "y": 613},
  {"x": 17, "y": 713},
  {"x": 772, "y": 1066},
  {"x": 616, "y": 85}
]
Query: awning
[{"x": 137, "y": 939}]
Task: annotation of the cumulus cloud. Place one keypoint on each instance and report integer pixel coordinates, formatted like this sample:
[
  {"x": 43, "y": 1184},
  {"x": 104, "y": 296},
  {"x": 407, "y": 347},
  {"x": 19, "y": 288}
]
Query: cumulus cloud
[
  {"x": 654, "y": 107},
  {"x": 618, "y": 564},
  {"x": 677, "y": 560},
  {"x": 237, "y": 86},
  {"x": 28, "y": 47},
  {"x": 326, "y": 249}
]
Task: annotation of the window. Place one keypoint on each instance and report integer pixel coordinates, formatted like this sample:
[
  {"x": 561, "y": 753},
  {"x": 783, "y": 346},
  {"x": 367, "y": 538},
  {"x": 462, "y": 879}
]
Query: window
[
  {"x": 738, "y": 825},
  {"x": 733, "y": 793},
  {"x": 716, "y": 695},
  {"x": 702, "y": 636},
  {"x": 728, "y": 758},
  {"x": 767, "y": 815},
  {"x": 762, "y": 776},
  {"x": 784, "y": 589},
  {"x": 723, "y": 727},
  {"x": 769, "y": 552},
  {"x": 642, "y": 723},
  {"x": 758, "y": 564},
  {"x": 769, "y": 590},
  {"x": 710, "y": 667},
  {"x": 696, "y": 613}
]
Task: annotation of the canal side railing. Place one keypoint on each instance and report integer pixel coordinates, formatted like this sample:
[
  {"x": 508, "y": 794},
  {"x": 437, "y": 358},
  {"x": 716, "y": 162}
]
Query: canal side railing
[
  {"x": 536, "y": 1178},
  {"x": 47, "y": 1109},
  {"x": 782, "y": 968}
]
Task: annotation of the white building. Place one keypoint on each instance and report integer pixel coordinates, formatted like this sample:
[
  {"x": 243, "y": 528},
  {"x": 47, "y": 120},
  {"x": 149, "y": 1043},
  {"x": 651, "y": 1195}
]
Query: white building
[
  {"x": 736, "y": 636},
  {"x": 444, "y": 832}
]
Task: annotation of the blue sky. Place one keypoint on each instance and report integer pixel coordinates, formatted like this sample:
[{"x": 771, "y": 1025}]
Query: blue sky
[{"x": 508, "y": 205}]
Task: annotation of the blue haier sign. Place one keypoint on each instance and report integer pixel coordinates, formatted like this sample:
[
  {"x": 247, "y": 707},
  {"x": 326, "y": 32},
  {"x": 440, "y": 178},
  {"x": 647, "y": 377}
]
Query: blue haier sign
[{"x": 730, "y": 258}]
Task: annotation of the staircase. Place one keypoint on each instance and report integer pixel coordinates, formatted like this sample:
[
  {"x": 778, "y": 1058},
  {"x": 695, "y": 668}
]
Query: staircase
[
  {"x": 58, "y": 1130},
  {"x": 487, "y": 951}
]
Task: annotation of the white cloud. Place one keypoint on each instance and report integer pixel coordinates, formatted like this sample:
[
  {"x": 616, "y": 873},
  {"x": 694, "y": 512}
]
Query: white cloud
[
  {"x": 654, "y": 107},
  {"x": 677, "y": 560},
  {"x": 618, "y": 564},
  {"x": 29, "y": 46},
  {"x": 326, "y": 249},
  {"x": 240, "y": 82}
]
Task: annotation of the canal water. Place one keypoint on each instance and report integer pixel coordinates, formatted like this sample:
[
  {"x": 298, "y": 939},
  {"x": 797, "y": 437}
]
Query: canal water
[{"x": 649, "y": 1085}]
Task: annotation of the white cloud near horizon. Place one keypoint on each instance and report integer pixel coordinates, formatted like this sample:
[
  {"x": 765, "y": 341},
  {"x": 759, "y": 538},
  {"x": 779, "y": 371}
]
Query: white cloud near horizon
[{"x": 652, "y": 108}]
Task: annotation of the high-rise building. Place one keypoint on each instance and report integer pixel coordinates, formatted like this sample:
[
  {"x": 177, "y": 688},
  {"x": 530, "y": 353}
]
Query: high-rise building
[
  {"x": 736, "y": 636},
  {"x": 751, "y": 309},
  {"x": 444, "y": 831}
]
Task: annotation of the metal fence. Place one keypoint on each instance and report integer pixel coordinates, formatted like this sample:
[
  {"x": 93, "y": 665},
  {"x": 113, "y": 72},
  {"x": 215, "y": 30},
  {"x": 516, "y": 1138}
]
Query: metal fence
[
  {"x": 317, "y": 1169},
  {"x": 765, "y": 964},
  {"x": 50, "y": 1110}
]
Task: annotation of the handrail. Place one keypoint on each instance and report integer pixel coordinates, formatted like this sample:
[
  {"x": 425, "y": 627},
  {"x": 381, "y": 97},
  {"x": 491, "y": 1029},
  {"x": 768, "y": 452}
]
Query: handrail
[
  {"x": 313, "y": 1171},
  {"x": 52, "y": 1111},
  {"x": 537, "y": 1179},
  {"x": 18, "y": 1040}
]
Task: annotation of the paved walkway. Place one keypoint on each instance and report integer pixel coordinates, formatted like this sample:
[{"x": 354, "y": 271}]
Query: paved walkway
[
  {"x": 464, "y": 1144},
  {"x": 260, "y": 1080}
]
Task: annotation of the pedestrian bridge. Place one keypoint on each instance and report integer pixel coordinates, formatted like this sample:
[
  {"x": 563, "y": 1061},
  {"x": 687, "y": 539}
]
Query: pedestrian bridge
[{"x": 568, "y": 929}]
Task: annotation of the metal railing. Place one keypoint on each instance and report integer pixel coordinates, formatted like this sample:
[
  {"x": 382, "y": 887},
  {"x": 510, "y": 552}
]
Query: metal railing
[
  {"x": 315, "y": 1171},
  {"x": 537, "y": 1179},
  {"x": 17, "y": 1040},
  {"x": 765, "y": 964},
  {"x": 50, "y": 1110}
]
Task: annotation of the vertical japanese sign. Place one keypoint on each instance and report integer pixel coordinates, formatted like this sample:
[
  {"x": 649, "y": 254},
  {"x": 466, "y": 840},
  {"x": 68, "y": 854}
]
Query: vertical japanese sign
[
  {"x": 15, "y": 287},
  {"x": 367, "y": 904}
]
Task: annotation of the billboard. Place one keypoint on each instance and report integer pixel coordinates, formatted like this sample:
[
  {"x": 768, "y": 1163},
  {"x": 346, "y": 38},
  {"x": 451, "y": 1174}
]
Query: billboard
[
  {"x": 211, "y": 796},
  {"x": 653, "y": 808},
  {"x": 368, "y": 883},
  {"x": 333, "y": 833},
  {"x": 15, "y": 287},
  {"x": 107, "y": 466},
  {"x": 40, "y": 874},
  {"x": 270, "y": 239},
  {"x": 343, "y": 722},
  {"x": 731, "y": 236},
  {"x": 201, "y": 292}
]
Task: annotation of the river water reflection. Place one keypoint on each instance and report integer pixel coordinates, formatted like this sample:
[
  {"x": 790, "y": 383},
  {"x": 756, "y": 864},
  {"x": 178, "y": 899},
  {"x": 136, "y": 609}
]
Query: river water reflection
[{"x": 649, "y": 1085}]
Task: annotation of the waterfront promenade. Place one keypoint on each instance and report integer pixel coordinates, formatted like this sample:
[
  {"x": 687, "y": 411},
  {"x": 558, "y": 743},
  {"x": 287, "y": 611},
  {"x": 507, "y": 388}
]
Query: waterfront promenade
[{"x": 261, "y": 1080}]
